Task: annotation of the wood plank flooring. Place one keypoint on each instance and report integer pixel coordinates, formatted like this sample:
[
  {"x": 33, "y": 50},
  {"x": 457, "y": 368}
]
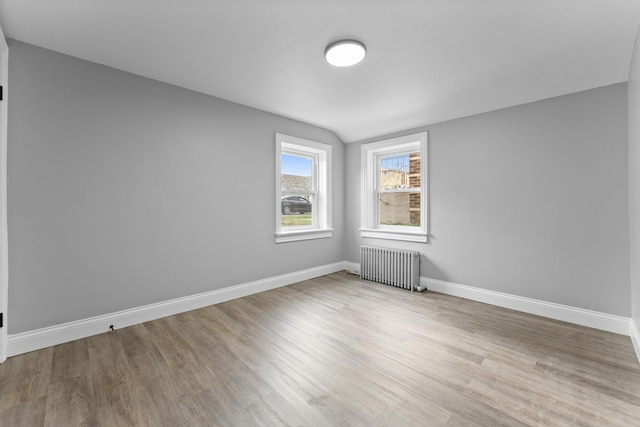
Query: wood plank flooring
[{"x": 332, "y": 351}]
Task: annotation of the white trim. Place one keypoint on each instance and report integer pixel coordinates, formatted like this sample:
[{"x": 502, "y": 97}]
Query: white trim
[
  {"x": 352, "y": 267},
  {"x": 635, "y": 338},
  {"x": 322, "y": 182},
  {"x": 58, "y": 334},
  {"x": 381, "y": 233},
  {"x": 4, "y": 264},
  {"x": 369, "y": 221},
  {"x": 306, "y": 234},
  {"x": 579, "y": 316}
]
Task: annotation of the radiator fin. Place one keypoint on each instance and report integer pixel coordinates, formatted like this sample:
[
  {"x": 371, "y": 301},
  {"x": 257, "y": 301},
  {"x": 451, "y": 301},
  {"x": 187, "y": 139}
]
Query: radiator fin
[{"x": 394, "y": 267}]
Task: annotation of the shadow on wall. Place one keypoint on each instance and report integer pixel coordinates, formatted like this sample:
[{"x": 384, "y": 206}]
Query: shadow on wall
[{"x": 429, "y": 269}]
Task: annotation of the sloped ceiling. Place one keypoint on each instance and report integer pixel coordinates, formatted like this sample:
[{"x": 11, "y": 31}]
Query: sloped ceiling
[{"x": 428, "y": 61}]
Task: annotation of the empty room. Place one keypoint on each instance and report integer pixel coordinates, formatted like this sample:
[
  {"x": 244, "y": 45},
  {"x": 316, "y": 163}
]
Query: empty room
[{"x": 320, "y": 213}]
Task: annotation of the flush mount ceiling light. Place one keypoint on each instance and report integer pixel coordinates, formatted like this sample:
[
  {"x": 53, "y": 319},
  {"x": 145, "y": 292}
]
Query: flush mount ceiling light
[{"x": 345, "y": 53}]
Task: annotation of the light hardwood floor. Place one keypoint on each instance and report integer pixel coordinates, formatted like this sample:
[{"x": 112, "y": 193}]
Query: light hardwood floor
[{"x": 331, "y": 351}]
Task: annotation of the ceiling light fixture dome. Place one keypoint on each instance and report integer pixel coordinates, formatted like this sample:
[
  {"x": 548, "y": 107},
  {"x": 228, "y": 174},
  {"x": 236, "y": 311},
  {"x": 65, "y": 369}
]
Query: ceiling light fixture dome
[{"x": 345, "y": 53}]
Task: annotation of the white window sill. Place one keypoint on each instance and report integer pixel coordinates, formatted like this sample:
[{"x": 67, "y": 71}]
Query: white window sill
[
  {"x": 408, "y": 236},
  {"x": 294, "y": 236}
]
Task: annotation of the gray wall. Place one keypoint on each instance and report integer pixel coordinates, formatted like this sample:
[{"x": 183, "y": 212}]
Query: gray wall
[
  {"x": 634, "y": 181},
  {"x": 123, "y": 191},
  {"x": 529, "y": 200}
]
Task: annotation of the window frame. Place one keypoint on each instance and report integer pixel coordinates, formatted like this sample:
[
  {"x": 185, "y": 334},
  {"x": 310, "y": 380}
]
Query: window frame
[
  {"x": 321, "y": 223},
  {"x": 370, "y": 193}
]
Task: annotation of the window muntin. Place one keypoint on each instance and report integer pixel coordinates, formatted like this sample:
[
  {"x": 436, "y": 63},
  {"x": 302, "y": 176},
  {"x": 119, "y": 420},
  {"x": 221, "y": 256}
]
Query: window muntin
[
  {"x": 394, "y": 189},
  {"x": 303, "y": 189}
]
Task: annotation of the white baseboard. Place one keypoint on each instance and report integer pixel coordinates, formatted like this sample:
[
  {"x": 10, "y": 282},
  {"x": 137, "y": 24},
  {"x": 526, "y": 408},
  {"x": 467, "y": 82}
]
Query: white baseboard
[
  {"x": 352, "y": 267},
  {"x": 635, "y": 338},
  {"x": 579, "y": 316},
  {"x": 53, "y": 335},
  {"x": 593, "y": 319}
]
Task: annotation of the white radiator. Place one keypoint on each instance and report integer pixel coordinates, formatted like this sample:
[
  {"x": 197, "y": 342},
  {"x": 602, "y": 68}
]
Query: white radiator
[{"x": 395, "y": 267}]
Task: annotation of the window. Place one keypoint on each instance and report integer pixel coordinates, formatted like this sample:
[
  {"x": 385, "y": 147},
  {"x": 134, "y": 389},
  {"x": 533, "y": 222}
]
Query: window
[
  {"x": 394, "y": 203},
  {"x": 303, "y": 189}
]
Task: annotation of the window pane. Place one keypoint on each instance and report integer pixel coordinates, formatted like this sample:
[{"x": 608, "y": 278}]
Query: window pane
[
  {"x": 400, "y": 171},
  {"x": 399, "y": 209},
  {"x": 296, "y": 210},
  {"x": 296, "y": 172}
]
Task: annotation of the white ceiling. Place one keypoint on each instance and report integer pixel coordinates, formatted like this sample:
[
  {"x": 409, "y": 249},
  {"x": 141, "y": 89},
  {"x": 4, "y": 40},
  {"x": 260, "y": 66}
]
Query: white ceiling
[{"x": 428, "y": 61}]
